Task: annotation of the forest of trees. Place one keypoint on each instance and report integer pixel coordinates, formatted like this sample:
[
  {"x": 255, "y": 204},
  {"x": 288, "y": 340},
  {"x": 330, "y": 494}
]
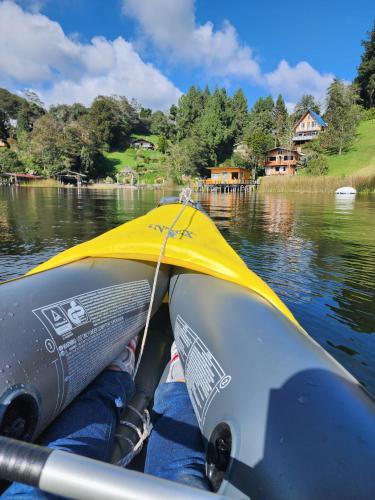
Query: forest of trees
[{"x": 200, "y": 131}]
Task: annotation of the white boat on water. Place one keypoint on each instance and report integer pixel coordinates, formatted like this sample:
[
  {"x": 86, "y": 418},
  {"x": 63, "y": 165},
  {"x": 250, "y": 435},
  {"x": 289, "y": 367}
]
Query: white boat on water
[{"x": 346, "y": 190}]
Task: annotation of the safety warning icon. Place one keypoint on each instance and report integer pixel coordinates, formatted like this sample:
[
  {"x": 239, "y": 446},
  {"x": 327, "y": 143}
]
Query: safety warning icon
[
  {"x": 58, "y": 320},
  {"x": 75, "y": 312},
  {"x": 63, "y": 316}
]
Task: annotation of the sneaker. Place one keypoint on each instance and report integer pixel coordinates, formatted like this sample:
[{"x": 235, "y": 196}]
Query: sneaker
[
  {"x": 125, "y": 361},
  {"x": 176, "y": 371}
]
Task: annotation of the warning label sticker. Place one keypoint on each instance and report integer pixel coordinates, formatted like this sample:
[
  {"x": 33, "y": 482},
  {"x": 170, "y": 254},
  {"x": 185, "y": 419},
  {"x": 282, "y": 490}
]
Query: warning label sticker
[
  {"x": 205, "y": 377},
  {"x": 84, "y": 329},
  {"x": 65, "y": 316}
]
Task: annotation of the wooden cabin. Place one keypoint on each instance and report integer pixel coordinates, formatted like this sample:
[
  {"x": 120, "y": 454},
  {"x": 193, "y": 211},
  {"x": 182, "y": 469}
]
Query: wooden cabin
[
  {"x": 229, "y": 175},
  {"x": 281, "y": 161},
  {"x": 143, "y": 144},
  {"x": 308, "y": 127}
]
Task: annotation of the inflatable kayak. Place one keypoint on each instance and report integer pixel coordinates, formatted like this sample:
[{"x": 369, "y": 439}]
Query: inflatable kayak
[{"x": 281, "y": 419}]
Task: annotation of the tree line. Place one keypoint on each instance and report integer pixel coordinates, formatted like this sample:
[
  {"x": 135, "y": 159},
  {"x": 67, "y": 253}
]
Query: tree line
[{"x": 201, "y": 130}]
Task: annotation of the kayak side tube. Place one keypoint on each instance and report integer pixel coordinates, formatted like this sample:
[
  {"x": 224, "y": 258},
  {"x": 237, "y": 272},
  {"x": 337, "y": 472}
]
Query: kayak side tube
[
  {"x": 281, "y": 419},
  {"x": 60, "y": 328}
]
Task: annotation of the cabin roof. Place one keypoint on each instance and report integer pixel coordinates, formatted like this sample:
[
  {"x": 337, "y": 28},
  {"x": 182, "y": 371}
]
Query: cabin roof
[
  {"x": 21, "y": 175},
  {"x": 316, "y": 117},
  {"x": 68, "y": 173},
  {"x": 142, "y": 140}
]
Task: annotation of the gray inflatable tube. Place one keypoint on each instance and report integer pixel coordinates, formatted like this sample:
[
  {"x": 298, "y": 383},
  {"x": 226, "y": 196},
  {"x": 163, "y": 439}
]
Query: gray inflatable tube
[
  {"x": 62, "y": 327},
  {"x": 281, "y": 419}
]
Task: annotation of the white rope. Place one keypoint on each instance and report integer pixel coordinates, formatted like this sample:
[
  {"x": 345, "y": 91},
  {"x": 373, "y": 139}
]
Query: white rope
[
  {"x": 142, "y": 436},
  {"x": 185, "y": 198}
]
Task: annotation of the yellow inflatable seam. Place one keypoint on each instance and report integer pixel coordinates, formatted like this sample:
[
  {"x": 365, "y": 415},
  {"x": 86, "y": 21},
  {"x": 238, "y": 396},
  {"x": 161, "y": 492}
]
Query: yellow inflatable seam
[{"x": 195, "y": 243}]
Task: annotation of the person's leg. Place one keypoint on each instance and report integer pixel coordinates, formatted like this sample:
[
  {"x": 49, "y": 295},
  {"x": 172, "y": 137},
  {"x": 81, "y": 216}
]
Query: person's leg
[
  {"x": 175, "y": 450},
  {"x": 86, "y": 427}
]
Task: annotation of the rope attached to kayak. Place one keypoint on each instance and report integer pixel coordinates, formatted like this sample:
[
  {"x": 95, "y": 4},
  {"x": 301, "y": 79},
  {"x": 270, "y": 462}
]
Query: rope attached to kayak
[
  {"x": 142, "y": 433},
  {"x": 185, "y": 199}
]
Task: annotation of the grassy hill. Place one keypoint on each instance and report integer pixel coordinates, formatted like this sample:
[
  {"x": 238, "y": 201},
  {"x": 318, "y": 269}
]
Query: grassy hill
[
  {"x": 360, "y": 159},
  {"x": 147, "y": 162}
]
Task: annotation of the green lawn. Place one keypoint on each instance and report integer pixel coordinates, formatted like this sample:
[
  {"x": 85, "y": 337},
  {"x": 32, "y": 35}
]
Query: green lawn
[
  {"x": 360, "y": 159},
  {"x": 146, "y": 162},
  {"x": 128, "y": 158}
]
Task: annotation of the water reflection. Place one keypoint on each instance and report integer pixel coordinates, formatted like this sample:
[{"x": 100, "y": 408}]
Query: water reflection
[
  {"x": 316, "y": 251},
  {"x": 345, "y": 202}
]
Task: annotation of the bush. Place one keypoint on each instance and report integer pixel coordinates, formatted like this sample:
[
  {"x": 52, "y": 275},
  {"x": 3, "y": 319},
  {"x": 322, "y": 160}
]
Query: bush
[
  {"x": 162, "y": 144},
  {"x": 317, "y": 165},
  {"x": 9, "y": 161},
  {"x": 368, "y": 114}
]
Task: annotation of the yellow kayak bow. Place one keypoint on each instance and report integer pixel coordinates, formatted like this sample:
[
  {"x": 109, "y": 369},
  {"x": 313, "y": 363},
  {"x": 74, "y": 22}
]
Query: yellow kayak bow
[{"x": 195, "y": 243}]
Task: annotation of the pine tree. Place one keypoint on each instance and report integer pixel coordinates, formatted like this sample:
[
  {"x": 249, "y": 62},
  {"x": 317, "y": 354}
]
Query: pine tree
[
  {"x": 281, "y": 120},
  {"x": 240, "y": 115},
  {"x": 342, "y": 117},
  {"x": 215, "y": 125},
  {"x": 190, "y": 108},
  {"x": 366, "y": 71},
  {"x": 262, "y": 116}
]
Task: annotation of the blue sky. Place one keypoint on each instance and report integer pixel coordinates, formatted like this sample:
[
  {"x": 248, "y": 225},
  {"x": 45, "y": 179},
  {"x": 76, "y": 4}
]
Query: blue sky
[{"x": 153, "y": 50}]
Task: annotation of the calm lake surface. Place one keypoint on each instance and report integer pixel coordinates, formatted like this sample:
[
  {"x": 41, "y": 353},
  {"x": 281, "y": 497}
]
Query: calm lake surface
[{"x": 315, "y": 251}]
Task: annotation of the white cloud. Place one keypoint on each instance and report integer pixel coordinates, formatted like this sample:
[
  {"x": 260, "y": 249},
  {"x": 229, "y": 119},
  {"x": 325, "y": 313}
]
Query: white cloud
[
  {"x": 36, "y": 50},
  {"x": 295, "y": 81},
  {"x": 172, "y": 27},
  {"x": 126, "y": 75},
  {"x": 37, "y": 53},
  {"x": 32, "y": 5}
]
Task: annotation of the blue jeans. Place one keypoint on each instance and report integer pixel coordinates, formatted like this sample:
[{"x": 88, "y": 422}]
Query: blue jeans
[{"x": 86, "y": 427}]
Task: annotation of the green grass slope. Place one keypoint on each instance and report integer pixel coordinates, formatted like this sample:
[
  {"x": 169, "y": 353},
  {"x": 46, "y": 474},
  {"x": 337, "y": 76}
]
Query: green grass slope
[
  {"x": 145, "y": 162},
  {"x": 360, "y": 159}
]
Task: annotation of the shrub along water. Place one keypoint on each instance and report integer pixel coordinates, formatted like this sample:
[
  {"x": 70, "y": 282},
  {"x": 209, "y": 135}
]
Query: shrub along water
[{"x": 316, "y": 184}]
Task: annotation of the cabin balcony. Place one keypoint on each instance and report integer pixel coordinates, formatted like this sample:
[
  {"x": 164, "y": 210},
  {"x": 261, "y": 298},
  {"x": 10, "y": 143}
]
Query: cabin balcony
[
  {"x": 281, "y": 163},
  {"x": 305, "y": 136}
]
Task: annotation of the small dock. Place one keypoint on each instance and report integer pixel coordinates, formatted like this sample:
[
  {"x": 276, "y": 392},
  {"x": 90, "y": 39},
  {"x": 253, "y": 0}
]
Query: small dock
[{"x": 226, "y": 187}]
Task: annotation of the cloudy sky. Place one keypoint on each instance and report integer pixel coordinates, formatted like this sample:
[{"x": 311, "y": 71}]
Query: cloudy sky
[{"x": 153, "y": 50}]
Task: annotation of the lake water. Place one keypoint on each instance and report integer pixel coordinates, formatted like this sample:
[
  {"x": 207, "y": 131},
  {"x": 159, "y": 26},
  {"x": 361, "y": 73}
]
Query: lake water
[{"x": 315, "y": 251}]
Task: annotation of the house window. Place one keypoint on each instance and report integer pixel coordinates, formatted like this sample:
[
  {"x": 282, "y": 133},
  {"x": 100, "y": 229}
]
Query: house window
[
  {"x": 277, "y": 169},
  {"x": 215, "y": 176},
  {"x": 272, "y": 158},
  {"x": 234, "y": 175},
  {"x": 313, "y": 124},
  {"x": 282, "y": 169},
  {"x": 302, "y": 125}
]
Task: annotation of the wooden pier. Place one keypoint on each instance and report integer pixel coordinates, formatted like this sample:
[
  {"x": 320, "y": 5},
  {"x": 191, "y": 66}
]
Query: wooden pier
[{"x": 226, "y": 187}]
